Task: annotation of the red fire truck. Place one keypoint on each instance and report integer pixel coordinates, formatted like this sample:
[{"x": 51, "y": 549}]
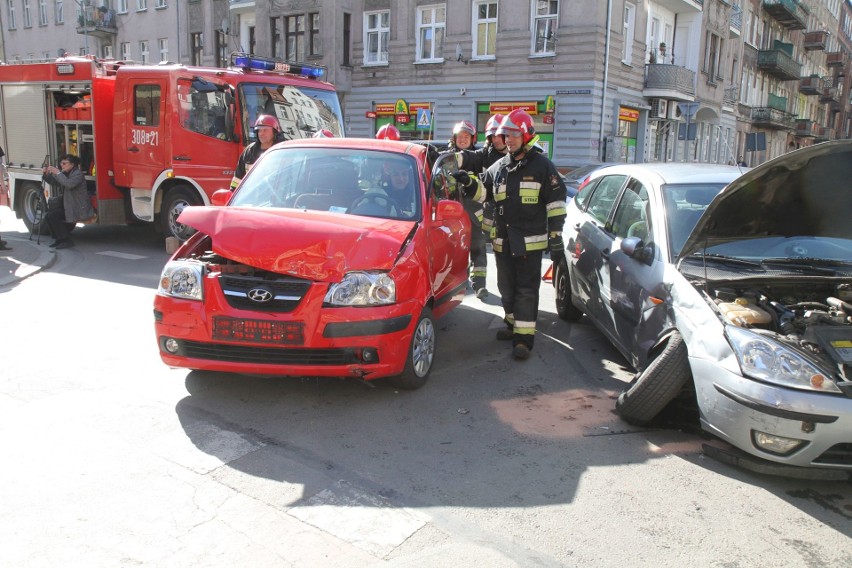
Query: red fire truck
[{"x": 152, "y": 139}]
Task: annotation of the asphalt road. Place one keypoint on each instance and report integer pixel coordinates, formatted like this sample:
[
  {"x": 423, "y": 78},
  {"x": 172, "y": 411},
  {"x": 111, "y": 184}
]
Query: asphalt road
[{"x": 112, "y": 459}]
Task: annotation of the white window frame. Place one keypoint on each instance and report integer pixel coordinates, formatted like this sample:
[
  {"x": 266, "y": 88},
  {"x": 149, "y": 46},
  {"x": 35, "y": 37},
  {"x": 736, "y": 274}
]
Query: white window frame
[
  {"x": 10, "y": 11},
  {"x": 28, "y": 18},
  {"x": 141, "y": 5},
  {"x": 143, "y": 52},
  {"x": 126, "y": 54},
  {"x": 42, "y": 12},
  {"x": 627, "y": 32},
  {"x": 59, "y": 11},
  {"x": 380, "y": 31},
  {"x": 108, "y": 52},
  {"x": 543, "y": 27},
  {"x": 713, "y": 61},
  {"x": 490, "y": 30},
  {"x": 435, "y": 28},
  {"x": 160, "y": 4},
  {"x": 121, "y": 6},
  {"x": 163, "y": 48}
]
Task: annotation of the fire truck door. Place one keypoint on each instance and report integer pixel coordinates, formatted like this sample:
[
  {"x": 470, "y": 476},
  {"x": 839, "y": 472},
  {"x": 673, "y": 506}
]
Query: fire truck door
[{"x": 142, "y": 138}]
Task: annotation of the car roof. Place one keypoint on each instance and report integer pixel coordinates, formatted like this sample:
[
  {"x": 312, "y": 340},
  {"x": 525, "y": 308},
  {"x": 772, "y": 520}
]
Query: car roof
[
  {"x": 675, "y": 172},
  {"x": 357, "y": 144}
]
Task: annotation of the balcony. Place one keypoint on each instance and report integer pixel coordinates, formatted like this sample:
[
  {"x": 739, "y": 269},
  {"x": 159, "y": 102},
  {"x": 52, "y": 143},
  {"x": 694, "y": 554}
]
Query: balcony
[
  {"x": 823, "y": 134},
  {"x": 97, "y": 22},
  {"x": 788, "y": 13},
  {"x": 729, "y": 98},
  {"x": 811, "y": 85},
  {"x": 836, "y": 59},
  {"x": 805, "y": 128},
  {"x": 669, "y": 82},
  {"x": 830, "y": 95},
  {"x": 815, "y": 40},
  {"x": 736, "y": 21},
  {"x": 774, "y": 119},
  {"x": 778, "y": 63}
]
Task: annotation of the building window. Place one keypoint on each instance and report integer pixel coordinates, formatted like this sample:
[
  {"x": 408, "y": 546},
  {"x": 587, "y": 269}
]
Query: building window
[
  {"x": 143, "y": 52},
  {"x": 160, "y": 4},
  {"x": 431, "y": 22},
  {"x": 713, "y": 57},
  {"x": 251, "y": 40},
  {"x": 294, "y": 38},
  {"x": 275, "y": 30},
  {"x": 10, "y": 5},
  {"x": 346, "y": 58},
  {"x": 141, "y": 5},
  {"x": 28, "y": 19},
  {"x": 107, "y": 52},
  {"x": 196, "y": 40},
  {"x": 314, "y": 44},
  {"x": 163, "y": 48},
  {"x": 544, "y": 26},
  {"x": 221, "y": 49},
  {"x": 627, "y": 33},
  {"x": 42, "y": 12},
  {"x": 376, "y": 36},
  {"x": 125, "y": 51},
  {"x": 121, "y": 6},
  {"x": 484, "y": 30},
  {"x": 59, "y": 12}
]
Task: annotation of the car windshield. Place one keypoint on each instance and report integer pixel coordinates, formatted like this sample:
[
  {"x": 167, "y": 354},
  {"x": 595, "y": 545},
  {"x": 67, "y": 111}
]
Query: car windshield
[
  {"x": 685, "y": 203},
  {"x": 300, "y": 111},
  {"x": 581, "y": 172},
  {"x": 339, "y": 180}
]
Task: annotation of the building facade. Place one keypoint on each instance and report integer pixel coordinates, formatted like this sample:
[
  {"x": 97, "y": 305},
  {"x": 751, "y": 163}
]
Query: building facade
[{"x": 605, "y": 80}]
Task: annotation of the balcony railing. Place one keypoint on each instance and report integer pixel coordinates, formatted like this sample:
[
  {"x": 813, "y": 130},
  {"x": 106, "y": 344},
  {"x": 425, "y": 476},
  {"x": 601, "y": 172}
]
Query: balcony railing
[
  {"x": 830, "y": 95},
  {"x": 823, "y": 134},
  {"x": 97, "y": 21},
  {"x": 670, "y": 81},
  {"x": 736, "y": 20},
  {"x": 836, "y": 59},
  {"x": 788, "y": 13},
  {"x": 811, "y": 85},
  {"x": 805, "y": 127},
  {"x": 779, "y": 64},
  {"x": 771, "y": 118},
  {"x": 815, "y": 40},
  {"x": 729, "y": 98}
]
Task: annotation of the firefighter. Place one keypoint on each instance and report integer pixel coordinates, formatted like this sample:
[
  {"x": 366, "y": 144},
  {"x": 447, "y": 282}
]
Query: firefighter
[
  {"x": 268, "y": 132},
  {"x": 388, "y": 132},
  {"x": 529, "y": 211},
  {"x": 464, "y": 137}
]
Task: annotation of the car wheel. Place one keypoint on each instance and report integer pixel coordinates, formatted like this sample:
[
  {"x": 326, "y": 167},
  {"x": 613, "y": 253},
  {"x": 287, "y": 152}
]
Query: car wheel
[
  {"x": 421, "y": 355},
  {"x": 654, "y": 387},
  {"x": 174, "y": 203},
  {"x": 564, "y": 308}
]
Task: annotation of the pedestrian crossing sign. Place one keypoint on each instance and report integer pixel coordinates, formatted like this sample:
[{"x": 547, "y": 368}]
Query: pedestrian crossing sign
[{"x": 424, "y": 119}]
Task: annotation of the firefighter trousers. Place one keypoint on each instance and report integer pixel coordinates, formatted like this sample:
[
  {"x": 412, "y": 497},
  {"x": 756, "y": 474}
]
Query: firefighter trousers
[
  {"x": 478, "y": 254},
  {"x": 518, "y": 280}
]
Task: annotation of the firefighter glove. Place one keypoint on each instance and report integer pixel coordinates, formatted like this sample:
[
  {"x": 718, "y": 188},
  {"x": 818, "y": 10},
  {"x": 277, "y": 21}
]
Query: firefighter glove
[
  {"x": 557, "y": 250},
  {"x": 463, "y": 178}
]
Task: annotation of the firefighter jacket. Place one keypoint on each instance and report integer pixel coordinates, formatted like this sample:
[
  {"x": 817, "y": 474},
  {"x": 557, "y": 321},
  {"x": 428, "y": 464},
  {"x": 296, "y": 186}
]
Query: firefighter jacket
[
  {"x": 478, "y": 161},
  {"x": 529, "y": 204},
  {"x": 250, "y": 155}
]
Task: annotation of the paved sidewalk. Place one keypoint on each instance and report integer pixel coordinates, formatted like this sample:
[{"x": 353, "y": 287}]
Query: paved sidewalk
[{"x": 26, "y": 257}]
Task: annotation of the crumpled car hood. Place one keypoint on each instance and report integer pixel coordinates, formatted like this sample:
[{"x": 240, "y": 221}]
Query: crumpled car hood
[
  {"x": 308, "y": 244},
  {"x": 803, "y": 193}
]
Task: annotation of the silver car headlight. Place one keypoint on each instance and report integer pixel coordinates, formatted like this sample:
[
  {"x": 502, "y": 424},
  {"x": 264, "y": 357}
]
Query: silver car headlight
[
  {"x": 762, "y": 358},
  {"x": 182, "y": 279},
  {"x": 362, "y": 289}
]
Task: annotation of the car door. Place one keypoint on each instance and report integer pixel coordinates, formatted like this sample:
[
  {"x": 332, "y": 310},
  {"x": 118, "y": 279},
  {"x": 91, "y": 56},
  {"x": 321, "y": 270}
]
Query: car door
[{"x": 592, "y": 245}]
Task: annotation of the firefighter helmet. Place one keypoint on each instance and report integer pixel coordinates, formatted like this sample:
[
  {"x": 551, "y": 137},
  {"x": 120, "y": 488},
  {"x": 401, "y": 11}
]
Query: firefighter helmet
[
  {"x": 388, "y": 132},
  {"x": 464, "y": 126},
  {"x": 493, "y": 124},
  {"x": 267, "y": 120},
  {"x": 324, "y": 133},
  {"x": 517, "y": 122}
]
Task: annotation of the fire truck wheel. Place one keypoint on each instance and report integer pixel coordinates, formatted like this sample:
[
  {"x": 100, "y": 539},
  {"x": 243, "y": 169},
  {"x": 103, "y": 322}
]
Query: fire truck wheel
[
  {"x": 173, "y": 204},
  {"x": 31, "y": 206}
]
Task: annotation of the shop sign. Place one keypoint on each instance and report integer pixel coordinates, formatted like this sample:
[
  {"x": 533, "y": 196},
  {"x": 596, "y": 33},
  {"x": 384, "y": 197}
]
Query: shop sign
[
  {"x": 628, "y": 114},
  {"x": 370, "y": 114},
  {"x": 384, "y": 109},
  {"x": 401, "y": 107},
  {"x": 403, "y": 118},
  {"x": 549, "y": 105},
  {"x": 506, "y": 108},
  {"x": 547, "y": 119}
]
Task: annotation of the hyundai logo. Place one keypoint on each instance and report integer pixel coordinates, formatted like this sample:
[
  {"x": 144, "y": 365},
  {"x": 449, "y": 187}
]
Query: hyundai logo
[{"x": 259, "y": 295}]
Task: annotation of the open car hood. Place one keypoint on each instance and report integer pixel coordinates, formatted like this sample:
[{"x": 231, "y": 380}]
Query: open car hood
[
  {"x": 806, "y": 192},
  {"x": 308, "y": 244}
]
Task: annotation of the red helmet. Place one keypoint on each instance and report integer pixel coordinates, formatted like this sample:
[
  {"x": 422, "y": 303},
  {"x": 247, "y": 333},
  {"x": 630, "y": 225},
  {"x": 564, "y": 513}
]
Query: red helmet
[
  {"x": 388, "y": 132},
  {"x": 493, "y": 124},
  {"x": 324, "y": 133},
  {"x": 267, "y": 120},
  {"x": 464, "y": 126},
  {"x": 517, "y": 122}
]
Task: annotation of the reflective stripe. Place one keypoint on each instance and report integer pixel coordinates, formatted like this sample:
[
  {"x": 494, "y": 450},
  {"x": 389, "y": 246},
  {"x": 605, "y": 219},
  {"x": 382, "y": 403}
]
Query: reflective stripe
[
  {"x": 556, "y": 208},
  {"x": 554, "y": 234},
  {"x": 525, "y": 327},
  {"x": 496, "y": 244},
  {"x": 535, "y": 242},
  {"x": 529, "y": 192},
  {"x": 509, "y": 319},
  {"x": 235, "y": 181},
  {"x": 459, "y": 159},
  {"x": 479, "y": 272}
]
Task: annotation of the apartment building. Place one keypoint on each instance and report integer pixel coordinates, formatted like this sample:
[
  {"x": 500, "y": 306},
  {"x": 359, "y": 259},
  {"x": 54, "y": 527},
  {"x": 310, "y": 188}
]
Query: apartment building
[{"x": 613, "y": 80}]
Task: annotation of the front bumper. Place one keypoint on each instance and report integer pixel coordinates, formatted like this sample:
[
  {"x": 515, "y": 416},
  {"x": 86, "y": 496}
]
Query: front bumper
[{"x": 736, "y": 409}]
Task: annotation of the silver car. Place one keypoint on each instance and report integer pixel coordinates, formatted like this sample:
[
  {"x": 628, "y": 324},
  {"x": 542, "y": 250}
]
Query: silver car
[{"x": 739, "y": 298}]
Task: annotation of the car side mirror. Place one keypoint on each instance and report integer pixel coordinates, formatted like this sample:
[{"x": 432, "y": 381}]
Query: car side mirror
[
  {"x": 635, "y": 248},
  {"x": 221, "y": 197},
  {"x": 449, "y": 210}
]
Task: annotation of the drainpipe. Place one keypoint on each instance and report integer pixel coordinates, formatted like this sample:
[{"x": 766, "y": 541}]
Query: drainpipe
[{"x": 605, "y": 78}]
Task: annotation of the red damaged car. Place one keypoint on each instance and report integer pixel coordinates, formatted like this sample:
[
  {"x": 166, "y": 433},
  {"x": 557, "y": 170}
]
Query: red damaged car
[{"x": 332, "y": 258}]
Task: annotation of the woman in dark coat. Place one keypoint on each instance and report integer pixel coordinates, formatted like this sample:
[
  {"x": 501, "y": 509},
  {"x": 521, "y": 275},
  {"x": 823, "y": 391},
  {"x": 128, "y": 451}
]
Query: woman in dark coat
[{"x": 76, "y": 205}]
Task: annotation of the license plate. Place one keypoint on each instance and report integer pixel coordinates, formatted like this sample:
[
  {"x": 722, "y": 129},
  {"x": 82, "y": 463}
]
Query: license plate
[{"x": 258, "y": 331}]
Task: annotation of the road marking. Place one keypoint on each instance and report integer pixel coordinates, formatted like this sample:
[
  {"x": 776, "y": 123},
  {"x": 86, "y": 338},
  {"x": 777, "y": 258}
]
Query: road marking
[{"x": 124, "y": 255}]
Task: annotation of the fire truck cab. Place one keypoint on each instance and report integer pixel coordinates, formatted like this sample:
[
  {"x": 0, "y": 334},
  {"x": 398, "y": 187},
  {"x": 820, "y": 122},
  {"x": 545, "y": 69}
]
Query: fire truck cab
[{"x": 152, "y": 139}]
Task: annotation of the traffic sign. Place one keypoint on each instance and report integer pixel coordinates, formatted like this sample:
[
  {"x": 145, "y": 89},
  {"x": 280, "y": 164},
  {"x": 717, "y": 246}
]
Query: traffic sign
[{"x": 424, "y": 119}]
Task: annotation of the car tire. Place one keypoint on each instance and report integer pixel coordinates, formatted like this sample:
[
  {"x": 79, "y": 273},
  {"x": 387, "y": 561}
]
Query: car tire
[
  {"x": 657, "y": 385},
  {"x": 421, "y": 354},
  {"x": 562, "y": 286},
  {"x": 174, "y": 203}
]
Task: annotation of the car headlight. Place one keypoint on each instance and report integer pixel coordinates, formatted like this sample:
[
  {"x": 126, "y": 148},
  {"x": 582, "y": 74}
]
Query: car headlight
[
  {"x": 182, "y": 279},
  {"x": 767, "y": 360},
  {"x": 362, "y": 289}
]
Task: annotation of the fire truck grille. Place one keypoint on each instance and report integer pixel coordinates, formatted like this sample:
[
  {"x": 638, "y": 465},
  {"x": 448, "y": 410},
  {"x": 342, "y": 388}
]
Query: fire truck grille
[
  {"x": 278, "y": 295},
  {"x": 268, "y": 355}
]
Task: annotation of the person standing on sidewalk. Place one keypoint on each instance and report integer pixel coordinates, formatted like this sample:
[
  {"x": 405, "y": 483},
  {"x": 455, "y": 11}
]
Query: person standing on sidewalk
[
  {"x": 529, "y": 212},
  {"x": 73, "y": 203},
  {"x": 3, "y": 188}
]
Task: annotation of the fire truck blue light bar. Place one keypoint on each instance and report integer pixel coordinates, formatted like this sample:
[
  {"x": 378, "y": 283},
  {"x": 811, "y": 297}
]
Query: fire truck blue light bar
[{"x": 245, "y": 61}]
